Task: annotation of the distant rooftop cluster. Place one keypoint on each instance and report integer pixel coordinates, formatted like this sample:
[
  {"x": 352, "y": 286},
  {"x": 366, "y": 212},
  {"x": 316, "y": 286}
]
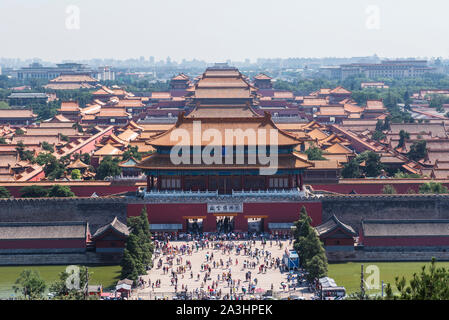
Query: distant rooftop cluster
[{"x": 116, "y": 120}]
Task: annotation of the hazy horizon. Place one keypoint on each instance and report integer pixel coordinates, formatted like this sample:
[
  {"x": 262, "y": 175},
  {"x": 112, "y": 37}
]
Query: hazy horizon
[{"x": 212, "y": 30}]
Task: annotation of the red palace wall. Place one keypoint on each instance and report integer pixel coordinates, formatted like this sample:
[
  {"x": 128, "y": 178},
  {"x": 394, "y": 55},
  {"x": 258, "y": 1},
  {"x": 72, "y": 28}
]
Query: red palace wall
[
  {"x": 405, "y": 241},
  {"x": 80, "y": 189},
  {"x": 371, "y": 188},
  {"x": 271, "y": 212},
  {"x": 334, "y": 239},
  {"x": 43, "y": 244},
  {"x": 103, "y": 188},
  {"x": 110, "y": 244},
  {"x": 338, "y": 242}
]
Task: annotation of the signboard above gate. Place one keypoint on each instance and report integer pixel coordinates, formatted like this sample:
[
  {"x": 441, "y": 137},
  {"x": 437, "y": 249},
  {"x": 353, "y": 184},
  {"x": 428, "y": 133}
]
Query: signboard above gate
[{"x": 224, "y": 207}]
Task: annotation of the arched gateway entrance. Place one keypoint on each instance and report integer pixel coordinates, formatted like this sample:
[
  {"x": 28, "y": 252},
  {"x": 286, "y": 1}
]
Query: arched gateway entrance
[
  {"x": 256, "y": 225},
  {"x": 194, "y": 225},
  {"x": 225, "y": 223}
]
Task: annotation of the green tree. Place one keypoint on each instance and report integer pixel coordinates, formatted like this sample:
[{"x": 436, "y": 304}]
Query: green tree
[
  {"x": 45, "y": 110},
  {"x": 48, "y": 147},
  {"x": 85, "y": 157},
  {"x": 59, "y": 191},
  {"x": 388, "y": 189},
  {"x": 129, "y": 268},
  {"x": 26, "y": 155},
  {"x": 62, "y": 291},
  {"x": 433, "y": 188},
  {"x": 78, "y": 127},
  {"x": 309, "y": 247},
  {"x": 403, "y": 136},
  {"x": 430, "y": 284},
  {"x": 33, "y": 191},
  {"x": 53, "y": 168},
  {"x": 43, "y": 158},
  {"x": 379, "y": 125},
  {"x": 75, "y": 174},
  {"x": 387, "y": 124},
  {"x": 373, "y": 166},
  {"x": 418, "y": 150},
  {"x": 4, "y": 105},
  {"x": 4, "y": 193},
  {"x": 302, "y": 226},
  {"x": 351, "y": 170},
  {"x": 139, "y": 248},
  {"x": 108, "y": 168},
  {"x": 30, "y": 285},
  {"x": 19, "y": 132},
  {"x": 405, "y": 175},
  {"x": 314, "y": 153},
  {"x": 317, "y": 266},
  {"x": 131, "y": 152},
  {"x": 378, "y": 135},
  {"x": 437, "y": 101}
]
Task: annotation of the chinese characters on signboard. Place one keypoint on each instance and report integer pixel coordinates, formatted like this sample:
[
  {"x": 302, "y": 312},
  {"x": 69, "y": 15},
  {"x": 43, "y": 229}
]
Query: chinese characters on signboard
[{"x": 224, "y": 208}]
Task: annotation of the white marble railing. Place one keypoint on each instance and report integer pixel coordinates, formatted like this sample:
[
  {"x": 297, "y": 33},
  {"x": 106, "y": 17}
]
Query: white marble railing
[
  {"x": 121, "y": 177},
  {"x": 271, "y": 192},
  {"x": 177, "y": 193},
  {"x": 209, "y": 193}
]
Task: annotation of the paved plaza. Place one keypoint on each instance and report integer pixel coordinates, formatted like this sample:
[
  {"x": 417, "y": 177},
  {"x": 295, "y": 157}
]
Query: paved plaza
[{"x": 196, "y": 270}]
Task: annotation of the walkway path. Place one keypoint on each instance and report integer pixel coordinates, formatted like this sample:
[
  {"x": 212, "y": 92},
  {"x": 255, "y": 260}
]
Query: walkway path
[{"x": 229, "y": 274}]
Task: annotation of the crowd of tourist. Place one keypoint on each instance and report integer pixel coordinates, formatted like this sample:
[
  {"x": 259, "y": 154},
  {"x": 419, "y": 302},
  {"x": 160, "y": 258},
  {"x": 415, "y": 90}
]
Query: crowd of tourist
[{"x": 222, "y": 253}]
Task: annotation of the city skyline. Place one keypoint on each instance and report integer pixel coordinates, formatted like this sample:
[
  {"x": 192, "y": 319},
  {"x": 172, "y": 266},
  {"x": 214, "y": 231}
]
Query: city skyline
[{"x": 207, "y": 30}]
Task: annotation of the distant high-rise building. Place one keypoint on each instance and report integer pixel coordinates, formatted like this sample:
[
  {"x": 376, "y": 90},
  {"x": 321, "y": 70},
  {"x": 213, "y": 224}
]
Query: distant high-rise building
[
  {"x": 105, "y": 73},
  {"x": 398, "y": 69},
  {"x": 38, "y": 71}
]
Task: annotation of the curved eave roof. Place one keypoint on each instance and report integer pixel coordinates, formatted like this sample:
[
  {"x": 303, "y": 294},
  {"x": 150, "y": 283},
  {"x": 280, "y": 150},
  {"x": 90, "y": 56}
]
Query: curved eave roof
[
  {"x": 163, "y": 162},
  {"x": 115, "y": 226},
  {"x": 221, "y": 124},
  {"x": 332, "y": 224}
]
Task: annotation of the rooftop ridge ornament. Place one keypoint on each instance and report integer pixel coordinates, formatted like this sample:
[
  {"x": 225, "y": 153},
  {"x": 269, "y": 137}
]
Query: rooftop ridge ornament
[{"x": 181, "y": 116}]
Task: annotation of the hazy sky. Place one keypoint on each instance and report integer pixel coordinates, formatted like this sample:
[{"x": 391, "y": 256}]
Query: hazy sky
[{"x": 216, "y": 30}]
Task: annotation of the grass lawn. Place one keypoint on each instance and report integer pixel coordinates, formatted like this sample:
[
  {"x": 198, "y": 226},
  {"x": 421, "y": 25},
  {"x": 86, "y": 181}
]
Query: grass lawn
[
  {"x": 105, "y": 275},
  {"x": 348, "y": 274}
]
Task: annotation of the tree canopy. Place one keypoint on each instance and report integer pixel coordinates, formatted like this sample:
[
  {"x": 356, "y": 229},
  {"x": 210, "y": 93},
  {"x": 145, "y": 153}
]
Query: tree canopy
[
  {"x": 62, "y": 291},
  {"x": 132, "y": 152},
  {"x": 75, "y": 174},
  {"x": 4, "y": 193},
  {"x": 34, "y": 191},
  {"x": 431, "y": 283},
  {"x": 373, "y": 166},
  {"x": 433, "y": 188},
  {"x": 309, "y": 247},
  {"x": 59, "y": 191},
  {"x": 108, "y": 168},
  {"x": 388, "y": 189},
  {"x": 418, "y": 150},
  {"x": 30, "y": 285},
  {"x": 137, "y": 255},
  {"x": 351, "y": 170},
  {"x": 314, "y": 153}
]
